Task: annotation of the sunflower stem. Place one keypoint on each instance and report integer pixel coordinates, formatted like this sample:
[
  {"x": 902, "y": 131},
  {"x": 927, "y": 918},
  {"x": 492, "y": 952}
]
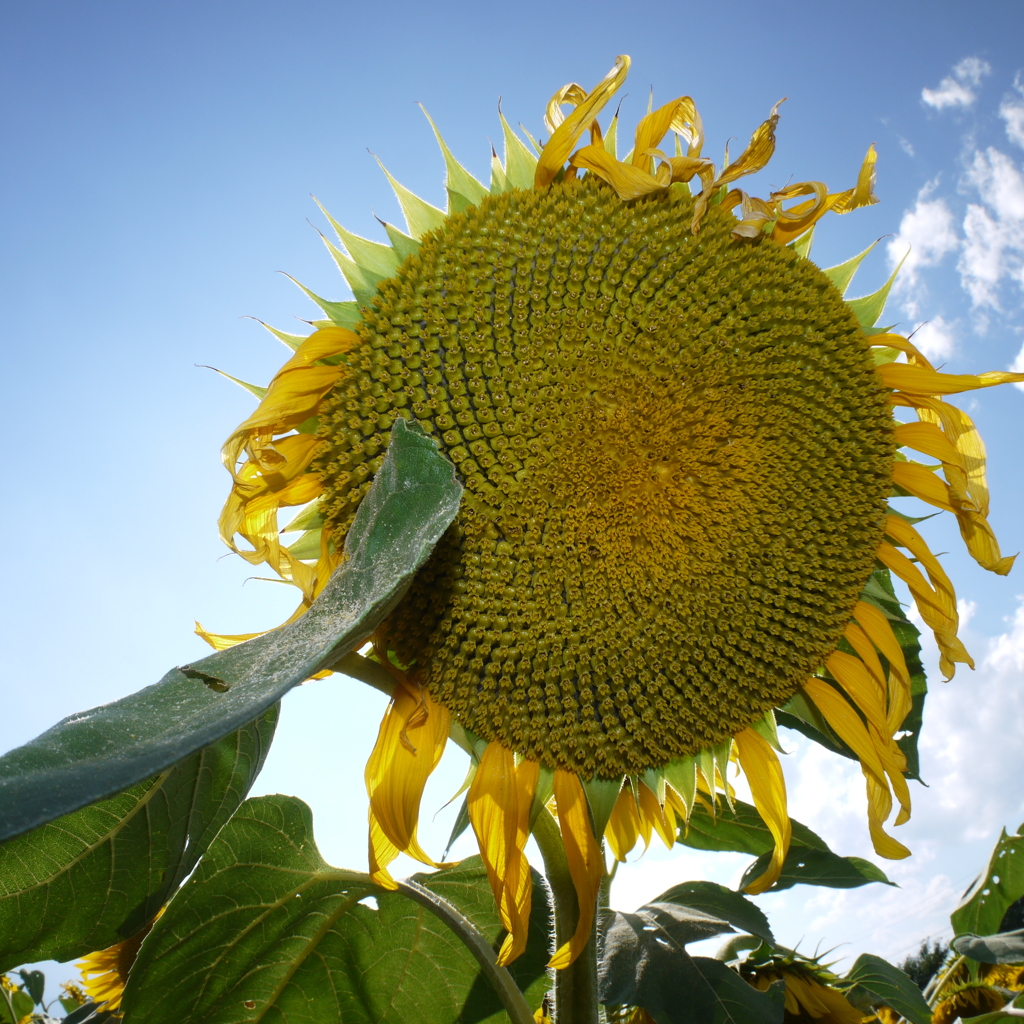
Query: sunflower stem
[{"x": 576, "y": 1000}]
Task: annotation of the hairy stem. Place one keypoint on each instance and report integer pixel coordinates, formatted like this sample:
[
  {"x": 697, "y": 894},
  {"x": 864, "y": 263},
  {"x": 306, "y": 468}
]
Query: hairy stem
[{"x": 576, "y": 999}]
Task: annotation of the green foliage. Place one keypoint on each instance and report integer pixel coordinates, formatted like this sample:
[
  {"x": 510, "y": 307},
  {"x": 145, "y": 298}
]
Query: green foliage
[
  {"x": 1001, "y": 883},
  {"x": 265, "y": 924},
  {"x": 809, "y": 860},
  {"x": 95, "y": 754},
  {"x": 876, "y": 981},
  {"x": 1001, "y": 948},
  {"x": 921, "y": 966},
  {"x": 644, "y": 961},
  {"x": 96, "y": 876}
]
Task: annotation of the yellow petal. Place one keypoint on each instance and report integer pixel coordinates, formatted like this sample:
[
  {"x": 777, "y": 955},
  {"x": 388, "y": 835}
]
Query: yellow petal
[
  {"x": 623, "y": 827},
  {"x": 876, "y": 628},
  {"x": 653, "y": 815},
  {"x": 628, "y": 181},
  {"x": 572, "y": 93},
  {"x": 929, "y": 439},
  {"x": 678, "y": 115},
  {"x": 409, "y": 745},
  {"x": 583, "y": 854},
  {"x": 854, "y": 678},
  {"x": 922, "y": 483},
  {"x": 919, "y": 381},
  {"x": 499, "y": 810},
  {"x": 768, "y": 789},
  {"x": 566, "y": 135},
  {"x": 863, "y": 194}
]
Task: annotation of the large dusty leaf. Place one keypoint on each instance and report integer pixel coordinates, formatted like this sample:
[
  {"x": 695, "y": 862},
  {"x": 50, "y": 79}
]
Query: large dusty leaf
[
  {"x": 999, "y": 886},
  {"x": 98, "y": 753},
  {"x": 720, "y": 902},
  {"x": 96, "y": 876},
  {"x": 266, "y": 930},
  {"x": 644, "y": 962},
  {"x": 1001, "y": 948},
  {"x": 809, "y": 860},
  {"x": 876, "y": 981},
  {"x": 804, "y": 866},
  {"x": 741, "y": 831}
]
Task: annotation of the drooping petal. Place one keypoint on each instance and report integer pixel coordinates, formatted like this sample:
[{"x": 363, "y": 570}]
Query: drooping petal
[
  {"x": 409, "y": 745},
  {"x": 876, "y": 627},
  {"x": 583, "y": 853},
  {"x": 628, "y": 181},
  {"x": 760, "y": 765},
  {"x": 917, "y": 380},
  {"x": 653, "y": 816},
  {"x": 623, "y": 827},
  {"x": 566, "y": 135},
  {"x": 499, "y": 803}
]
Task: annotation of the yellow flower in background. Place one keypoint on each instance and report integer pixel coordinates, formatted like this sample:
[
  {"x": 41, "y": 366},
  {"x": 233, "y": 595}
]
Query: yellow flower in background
[
  {"x": 105, "y": 973},
  {"x": 677, "y": 443}
]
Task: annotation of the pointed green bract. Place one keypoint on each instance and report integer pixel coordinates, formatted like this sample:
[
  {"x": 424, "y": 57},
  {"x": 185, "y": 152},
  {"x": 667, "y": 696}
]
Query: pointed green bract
[
  {"x": 307, "y": 547},
  {"x": 372, "y": 257},
  {"x": 420, "y": 216},
  {"x": 842, "y": 274},
  {"x": 293, "y": 341},
  {"x": 253, "y": 389},
  {"x": 403, "y": 244},
  {"x": 362, "y": 282},
  {"x": 612, "y": 135},
  {"x": 802, "y": 245},
  {"x": 342, "y": 314},
  {"x": 310, "y": 518},
  {"x": 459, "y": 179},
  {"x": 681, "y": 775},
  {"x": 520, "y": 163},
  {"x": 499, "y": 182},
  {"x": 601, "y": 796},
  {"x": 868, "y": 308}
]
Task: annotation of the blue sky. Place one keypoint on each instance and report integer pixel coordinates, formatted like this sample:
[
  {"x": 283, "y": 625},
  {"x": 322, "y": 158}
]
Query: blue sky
[{"x": 159, "y": 161}]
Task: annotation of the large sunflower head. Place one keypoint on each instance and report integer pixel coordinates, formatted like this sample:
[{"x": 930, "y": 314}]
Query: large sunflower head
[{"x": 677, "y": 443}]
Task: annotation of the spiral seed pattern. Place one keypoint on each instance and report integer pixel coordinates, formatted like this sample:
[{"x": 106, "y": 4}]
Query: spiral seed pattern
[{"x": 676, "y": 457}]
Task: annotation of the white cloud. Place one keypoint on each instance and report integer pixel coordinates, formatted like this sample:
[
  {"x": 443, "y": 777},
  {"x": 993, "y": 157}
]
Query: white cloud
[
  {"x": 1011, "y": 110},
  {"x": 994, "y": 229},
  {"x": 905, "y": 145},
  {"x": 955, "y": 90},
  {"x": 1017, "y": 366},
  {"x": 935, "y": 339},
  {"x": 927, "y": 234}
]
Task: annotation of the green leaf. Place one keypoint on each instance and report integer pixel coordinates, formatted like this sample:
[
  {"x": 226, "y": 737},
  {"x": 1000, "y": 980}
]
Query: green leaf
[
  {"x": 817, "y": 867},
  {"x": 1001, "y": 948},
  {"x": 95, "y": 877},
  {"x": 887, "y": 984},
  {"x": 741, "y": 832},
  {"x": 97, "y": 753},
  {"x": 643, "y": 962},
  {"x": 35, "y": 984},
  {"x": 266, "y": 921},
  {"x": 1002, "y": 883},
  {"x": 718, "y": 901}
]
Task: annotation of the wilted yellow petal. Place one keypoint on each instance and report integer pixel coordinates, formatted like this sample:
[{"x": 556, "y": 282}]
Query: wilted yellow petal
[
  {"x": 586, "y": 864},
  {"x": 409, "y": 745},
  {"x": 917, "y": 380},
  {"x": 623, "y": 827},
  {"x": 768, "y": 789},
  {"x": 922, "y": 483},
  {"x": 573, "y": 93},
  {"x": 566, "y": 135},
  {"x": 499, "y": 802},
  {"x": 628, "y": 181}
]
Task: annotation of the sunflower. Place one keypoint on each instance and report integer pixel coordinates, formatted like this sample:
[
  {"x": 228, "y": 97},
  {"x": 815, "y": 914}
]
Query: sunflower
[
  {"x": 105, "y": 973},
  {"x": 809, "y": 992},
  {"x": 677, "y": 443}
]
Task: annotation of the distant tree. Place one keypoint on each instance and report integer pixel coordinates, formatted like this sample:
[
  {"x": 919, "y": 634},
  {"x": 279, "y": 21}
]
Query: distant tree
[{"x": 921, "y": 966}]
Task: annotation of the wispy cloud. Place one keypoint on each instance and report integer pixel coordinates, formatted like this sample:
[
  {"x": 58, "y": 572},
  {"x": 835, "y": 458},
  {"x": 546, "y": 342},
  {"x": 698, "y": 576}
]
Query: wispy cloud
[
  {"x": 994, "y": 228},
  {"x": 958, "y": 88},
  {"x": 1011, "y": 110},
  {"x": 927, "y": 233}
]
